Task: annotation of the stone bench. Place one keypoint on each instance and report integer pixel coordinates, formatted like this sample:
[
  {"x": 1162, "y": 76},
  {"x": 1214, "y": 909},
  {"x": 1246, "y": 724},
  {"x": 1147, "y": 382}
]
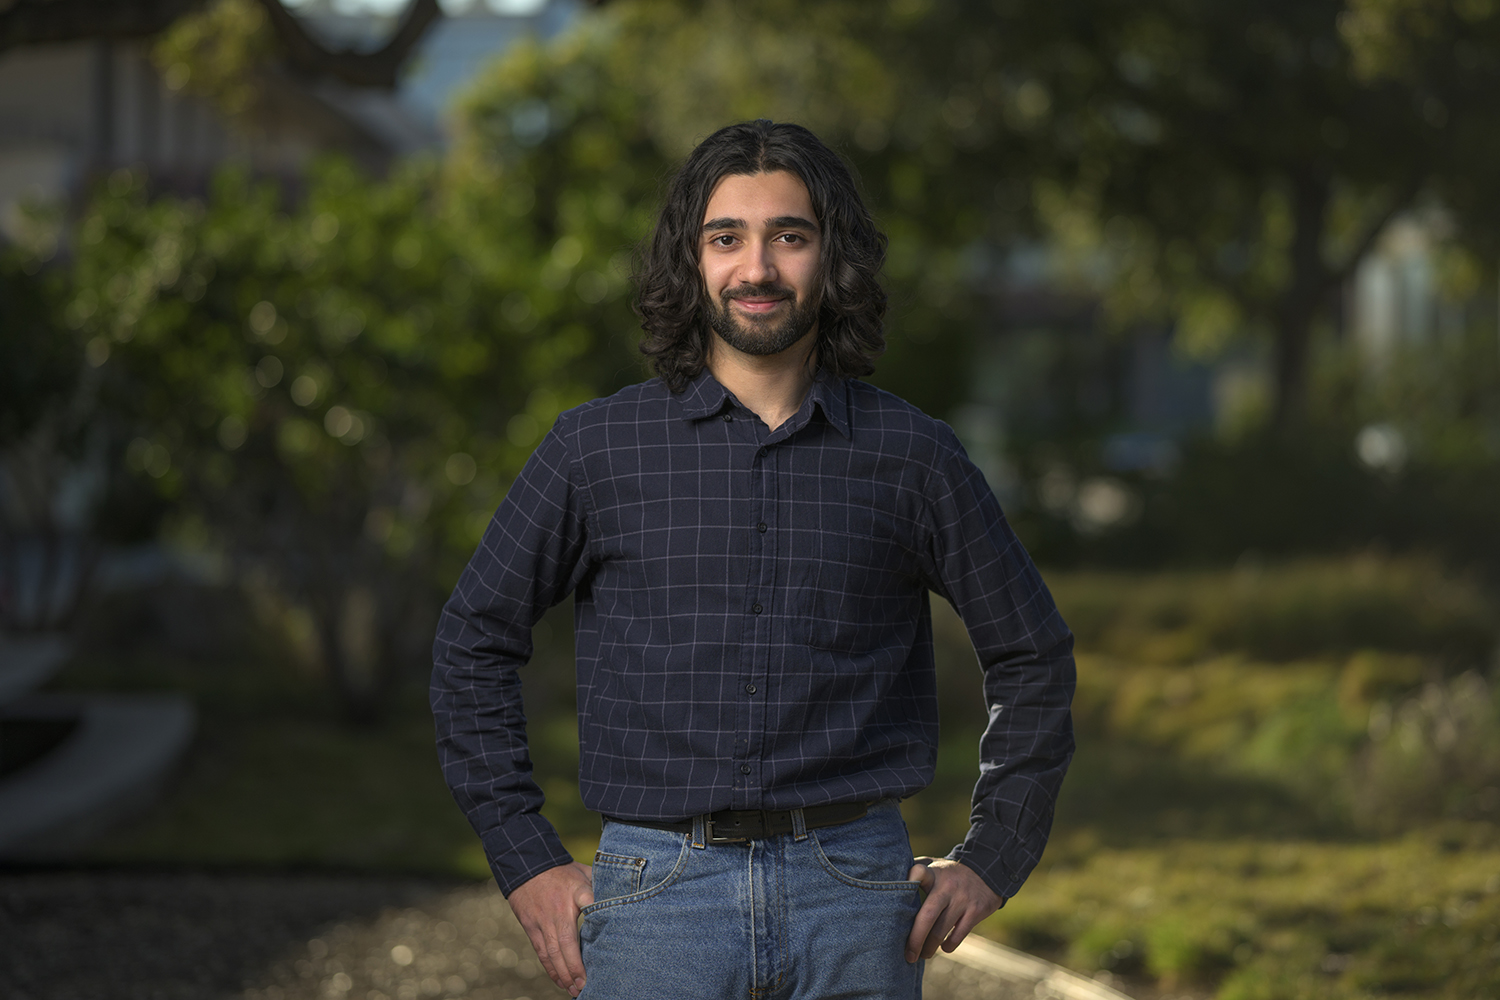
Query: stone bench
[{"x": 117, "y": 752}]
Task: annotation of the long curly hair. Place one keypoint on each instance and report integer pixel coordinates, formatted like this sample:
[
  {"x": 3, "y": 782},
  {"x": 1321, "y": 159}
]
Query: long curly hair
[{"x": 671, "y": 300}]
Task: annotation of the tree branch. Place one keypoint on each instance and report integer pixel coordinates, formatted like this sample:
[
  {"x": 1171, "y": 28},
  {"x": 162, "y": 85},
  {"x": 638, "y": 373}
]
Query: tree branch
[
  {"x": 359, "y": 69},
  {"x": 35, "y": 22}
]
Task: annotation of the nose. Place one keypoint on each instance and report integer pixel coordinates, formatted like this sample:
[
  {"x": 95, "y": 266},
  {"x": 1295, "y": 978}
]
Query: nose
[{"x": 758, "y": 266}]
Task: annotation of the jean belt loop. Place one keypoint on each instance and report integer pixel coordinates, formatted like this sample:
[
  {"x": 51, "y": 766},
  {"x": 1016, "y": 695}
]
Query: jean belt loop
[
  {"x": 700, "y": 833},
  {"x": 799, "y": 825}
]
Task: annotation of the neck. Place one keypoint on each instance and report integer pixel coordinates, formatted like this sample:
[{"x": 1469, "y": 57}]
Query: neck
[{"x": 774, "y": 386}]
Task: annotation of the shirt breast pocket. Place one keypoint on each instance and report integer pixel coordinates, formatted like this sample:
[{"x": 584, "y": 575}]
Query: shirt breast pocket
[{"x": 858, "y": 593}]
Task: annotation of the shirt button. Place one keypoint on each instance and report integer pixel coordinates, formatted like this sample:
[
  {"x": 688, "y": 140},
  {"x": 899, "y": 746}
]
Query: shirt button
[
  {"x": 750, "y": 688},
  {"x": 728, "y": 417},
  {"x": 761, "y": 527},
  {"x": 744, "y": 768},
  {"x": 756, "y": 608}
]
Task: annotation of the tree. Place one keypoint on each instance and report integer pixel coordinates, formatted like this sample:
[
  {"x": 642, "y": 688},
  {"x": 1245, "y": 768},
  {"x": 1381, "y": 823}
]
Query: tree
[
  {"x": 326, "y": 389},
  {"x": 1442, "y": 54},
  {"x": 341, "y": 392},
  {"x": 1234, "y": 162},
  {"x": 46, "y": 473}
]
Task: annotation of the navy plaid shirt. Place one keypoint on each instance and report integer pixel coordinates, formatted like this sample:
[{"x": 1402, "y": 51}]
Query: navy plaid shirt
[{"x": 752, "y": 619}]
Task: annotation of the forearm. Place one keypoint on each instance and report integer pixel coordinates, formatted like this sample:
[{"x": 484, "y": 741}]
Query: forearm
[
  {"x": 481, "y": 739},
  {"x": 527, "y": 561},
  {"x": 1024, "y": 754}
]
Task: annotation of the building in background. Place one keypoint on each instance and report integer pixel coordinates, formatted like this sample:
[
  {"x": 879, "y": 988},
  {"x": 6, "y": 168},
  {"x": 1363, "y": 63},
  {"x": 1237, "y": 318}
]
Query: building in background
[
  {"x": 75, "y": 110},
  {"x": 1396, "y": 299}
]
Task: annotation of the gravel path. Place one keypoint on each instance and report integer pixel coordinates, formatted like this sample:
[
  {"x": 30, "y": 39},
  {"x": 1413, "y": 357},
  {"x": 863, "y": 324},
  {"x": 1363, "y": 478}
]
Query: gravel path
[{"x": 92, "y": 935}]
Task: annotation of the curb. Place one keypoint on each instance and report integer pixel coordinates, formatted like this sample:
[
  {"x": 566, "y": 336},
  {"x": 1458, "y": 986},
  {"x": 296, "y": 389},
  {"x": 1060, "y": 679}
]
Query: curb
[{"x": 1048, "y": 980}]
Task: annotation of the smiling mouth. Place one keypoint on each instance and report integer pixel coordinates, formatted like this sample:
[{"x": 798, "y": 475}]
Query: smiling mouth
[
  {"x": 758, "y": 300},
  {"x": 758, "y": 305}
]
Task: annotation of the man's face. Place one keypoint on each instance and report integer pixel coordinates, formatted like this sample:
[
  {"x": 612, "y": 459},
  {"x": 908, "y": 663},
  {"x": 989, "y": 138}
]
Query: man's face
[{"x": 759, "y": 253}]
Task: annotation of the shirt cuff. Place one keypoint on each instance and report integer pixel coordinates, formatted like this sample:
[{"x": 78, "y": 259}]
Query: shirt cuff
[
  {"x": 989, "y": 862},
  {"x": 524, "y": 847}
]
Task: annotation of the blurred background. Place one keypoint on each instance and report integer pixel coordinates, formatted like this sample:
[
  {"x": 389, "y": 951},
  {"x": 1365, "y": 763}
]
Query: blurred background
[{"x": 1210, "y": 290}]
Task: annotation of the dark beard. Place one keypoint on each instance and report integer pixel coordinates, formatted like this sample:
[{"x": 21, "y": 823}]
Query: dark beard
[{"x": 757, "y": 337}]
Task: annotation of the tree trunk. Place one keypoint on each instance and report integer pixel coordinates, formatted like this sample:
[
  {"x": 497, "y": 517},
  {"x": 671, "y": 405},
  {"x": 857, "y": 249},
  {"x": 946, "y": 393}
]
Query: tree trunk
[
  {"x": 1310, "y": 282},
  {"x": 1293, "y": 347},
  {"x": 355, "y": 653}
]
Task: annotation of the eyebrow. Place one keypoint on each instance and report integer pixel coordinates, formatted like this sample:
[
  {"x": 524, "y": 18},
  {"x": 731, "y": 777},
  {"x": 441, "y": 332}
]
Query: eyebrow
[{"x": 779, "y": 222}]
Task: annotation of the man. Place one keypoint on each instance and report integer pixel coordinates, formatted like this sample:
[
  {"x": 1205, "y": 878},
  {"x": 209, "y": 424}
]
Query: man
[{"x": 750, "y": 539}]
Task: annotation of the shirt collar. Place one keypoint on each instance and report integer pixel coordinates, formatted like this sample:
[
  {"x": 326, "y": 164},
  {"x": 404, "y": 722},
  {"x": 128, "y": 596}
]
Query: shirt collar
[
  {"x": 705, "y": 397},
  {"x": 831, "y": 394}
]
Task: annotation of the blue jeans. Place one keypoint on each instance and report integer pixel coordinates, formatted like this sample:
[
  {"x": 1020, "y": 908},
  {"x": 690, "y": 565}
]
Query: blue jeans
[{"x": 816, "y": 916}]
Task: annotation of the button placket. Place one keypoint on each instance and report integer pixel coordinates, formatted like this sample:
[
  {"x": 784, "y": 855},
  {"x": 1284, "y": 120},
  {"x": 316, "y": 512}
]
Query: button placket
[
  {"x": 743, "y": 444},
  {"x": 761, "y": 627}
]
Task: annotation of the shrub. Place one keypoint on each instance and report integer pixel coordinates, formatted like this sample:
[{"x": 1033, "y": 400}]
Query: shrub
[
  {"x": 1281, "y": 612},
  {"x": 1433, "y": 754}
]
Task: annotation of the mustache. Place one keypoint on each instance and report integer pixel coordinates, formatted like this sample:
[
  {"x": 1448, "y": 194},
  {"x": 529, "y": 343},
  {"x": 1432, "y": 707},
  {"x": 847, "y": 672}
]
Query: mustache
[{"x": 766, "y": 291}]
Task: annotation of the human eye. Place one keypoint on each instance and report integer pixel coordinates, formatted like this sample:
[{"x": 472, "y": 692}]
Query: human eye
[{"x": 721, "y": 240}]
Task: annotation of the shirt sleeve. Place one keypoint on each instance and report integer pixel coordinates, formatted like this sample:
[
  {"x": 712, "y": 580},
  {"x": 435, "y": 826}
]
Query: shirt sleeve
[
  {"x": 532, "y": 555},
  {"x": 1026, "y": 653}
]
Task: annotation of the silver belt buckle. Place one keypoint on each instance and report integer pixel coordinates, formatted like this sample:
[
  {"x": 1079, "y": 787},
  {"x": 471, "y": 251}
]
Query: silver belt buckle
[{"x": 714, "y": 838}]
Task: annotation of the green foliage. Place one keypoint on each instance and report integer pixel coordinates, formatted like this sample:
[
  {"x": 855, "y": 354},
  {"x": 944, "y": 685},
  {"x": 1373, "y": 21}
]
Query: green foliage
[
  {"x": 1226, "y": 166},
  {"x": 219, "y": 52},
  {"x": 1292, "y": 920},
  {"x": 38, "y": 368},
  {"x": 1237, "y": 493},
  {"x": 1217, "y": 830},
  {"x": 1435, "y": 752},
  {"x": 52, "y": 467},
  {"x": 1177, "y": 664},
  {"x": 1281, "y": 611},
  {"x": 341, "y": 391},
  {"x": 1443, "y": 397}
]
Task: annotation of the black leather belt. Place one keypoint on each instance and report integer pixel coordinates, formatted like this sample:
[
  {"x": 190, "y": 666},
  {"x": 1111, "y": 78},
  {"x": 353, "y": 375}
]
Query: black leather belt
[{"x": 733, "y": 826}]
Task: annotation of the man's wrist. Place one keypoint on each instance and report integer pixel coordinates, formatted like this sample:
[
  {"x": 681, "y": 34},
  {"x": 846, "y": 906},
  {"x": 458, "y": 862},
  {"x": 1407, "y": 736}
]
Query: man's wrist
[{"x": 990, "y": 869}]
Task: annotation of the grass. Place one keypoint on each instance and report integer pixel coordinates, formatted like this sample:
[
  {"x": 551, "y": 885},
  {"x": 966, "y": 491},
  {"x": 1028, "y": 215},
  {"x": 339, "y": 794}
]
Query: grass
[
  {"x": 1275, "y": 918},
  {"x": 1280, "y": 613},
  {"x": 1227, "y": 828},
  {"x": 1287, "y": 781}
]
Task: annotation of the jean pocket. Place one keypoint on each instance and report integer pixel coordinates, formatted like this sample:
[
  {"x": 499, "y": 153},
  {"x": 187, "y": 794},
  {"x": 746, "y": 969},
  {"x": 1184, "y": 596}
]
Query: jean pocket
[
  {"x": 880, "y": 862},
  {"x": 616, "y": 875},
  {"x": 642, "y": 864}
]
